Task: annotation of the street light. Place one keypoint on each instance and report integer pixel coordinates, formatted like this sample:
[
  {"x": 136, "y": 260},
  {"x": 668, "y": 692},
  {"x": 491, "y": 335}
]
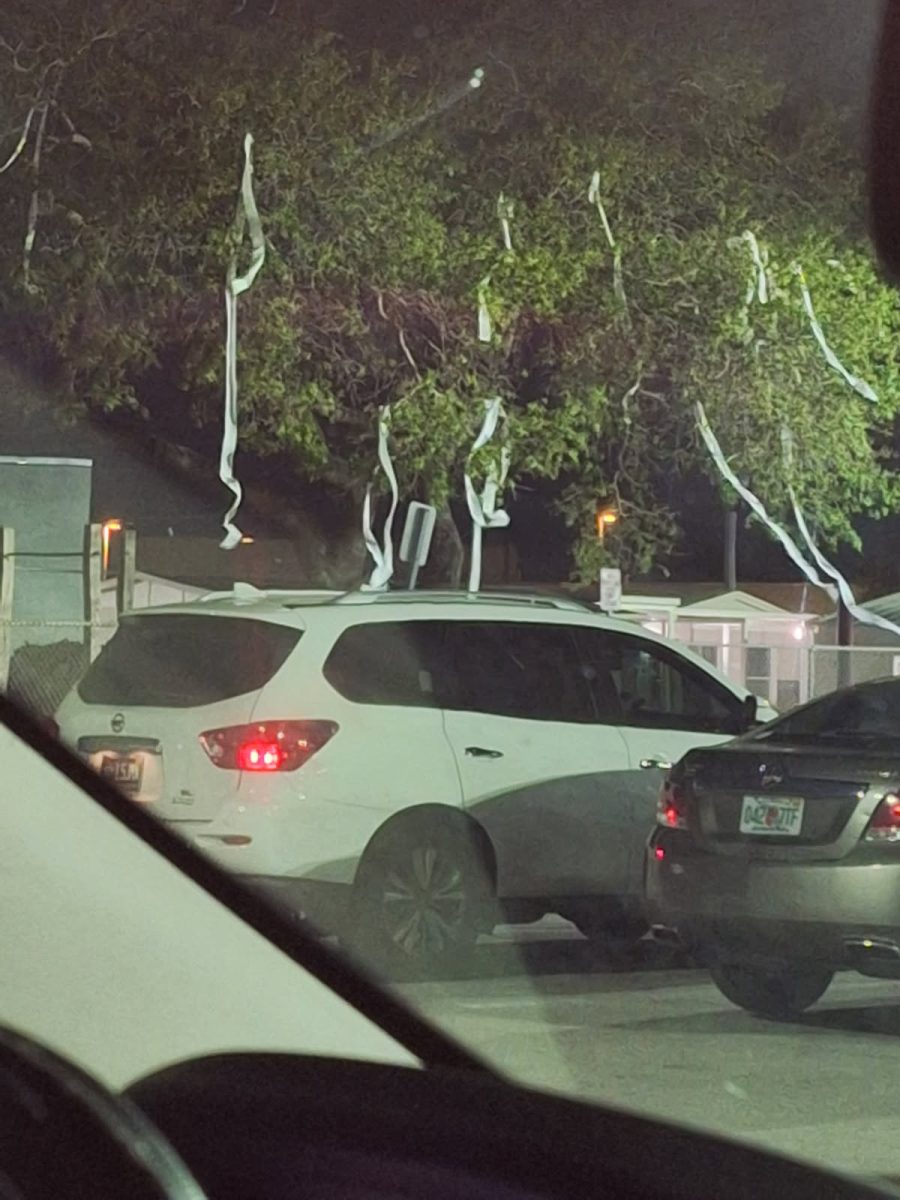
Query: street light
[
  {"x": 605, "y": 517},
  {"x": 114, "y": 525}
]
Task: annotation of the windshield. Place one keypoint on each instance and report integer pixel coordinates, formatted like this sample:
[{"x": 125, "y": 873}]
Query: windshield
[{"x": 423, "y": 425}]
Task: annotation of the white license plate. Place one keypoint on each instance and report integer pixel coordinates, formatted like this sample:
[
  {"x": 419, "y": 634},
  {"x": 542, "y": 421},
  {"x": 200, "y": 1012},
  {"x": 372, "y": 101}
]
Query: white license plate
[
  {"x": 771, "y": 816},
  {"x": 125, "y": 771}
]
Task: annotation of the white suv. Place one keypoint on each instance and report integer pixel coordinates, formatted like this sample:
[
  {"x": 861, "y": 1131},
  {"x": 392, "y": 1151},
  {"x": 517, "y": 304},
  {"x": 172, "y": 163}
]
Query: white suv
[{"x": 438, "y": 759}]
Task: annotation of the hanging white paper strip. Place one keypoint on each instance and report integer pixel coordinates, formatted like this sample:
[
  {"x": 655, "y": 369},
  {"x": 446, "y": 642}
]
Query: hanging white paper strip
[
  {"x": 839, "y": 587},
  {"x": 20, "y": 144},
  {"x": 594, "y": 198},
  {"x": 759, "y": 285},
  {"x": 246, "y": 218},
  {"x": 862, "y": 614},
  {"x": 626, "y": 403},
  {"x": 859, "y": 385},
  {"x": 752, "y": 501},
  {"x": 483, "y": 509},
  {"x": 505, "y": 215},
  {"x": 484, "y": 316},
  {"x": 382, "y": 555}
]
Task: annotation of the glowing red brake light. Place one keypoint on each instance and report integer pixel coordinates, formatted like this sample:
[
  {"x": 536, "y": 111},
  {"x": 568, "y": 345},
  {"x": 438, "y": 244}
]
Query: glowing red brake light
[
  {"x": 885, "y": 823},
  {"x": 670, "y": 808},
  {"x": 266, "y": 745},
  {"x": 260, "y": 755}
]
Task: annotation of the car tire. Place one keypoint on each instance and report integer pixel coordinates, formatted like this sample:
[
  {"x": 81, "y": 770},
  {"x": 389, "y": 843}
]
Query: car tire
[
  {"x": 777, "y": 993},
  {"x": 423, "y": 893}
]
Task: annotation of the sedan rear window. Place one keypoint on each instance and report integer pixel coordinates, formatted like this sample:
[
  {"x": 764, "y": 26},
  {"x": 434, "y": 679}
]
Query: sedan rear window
[
  {"x": 868, "y": 712},
  {"x": 180, "y": 661}
]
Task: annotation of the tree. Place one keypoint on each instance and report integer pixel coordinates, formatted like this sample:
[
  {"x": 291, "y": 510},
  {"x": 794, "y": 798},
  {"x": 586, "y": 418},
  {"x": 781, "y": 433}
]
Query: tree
[{"x": 379, "y": 182}]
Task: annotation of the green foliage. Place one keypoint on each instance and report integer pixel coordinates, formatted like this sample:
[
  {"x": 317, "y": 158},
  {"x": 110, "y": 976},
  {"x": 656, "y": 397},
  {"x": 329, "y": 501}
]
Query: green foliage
[{"x": 378, "y": 183}]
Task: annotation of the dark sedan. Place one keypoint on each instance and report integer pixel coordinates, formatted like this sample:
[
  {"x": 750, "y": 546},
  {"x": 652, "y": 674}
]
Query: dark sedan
[{"x": 776, "y": 857}]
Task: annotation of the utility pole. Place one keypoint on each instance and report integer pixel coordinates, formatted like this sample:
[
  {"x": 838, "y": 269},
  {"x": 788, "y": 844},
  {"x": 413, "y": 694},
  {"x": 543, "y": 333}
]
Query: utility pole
[
  {"x": 729, "y": 571},
  {"x": 845, "y": 642}
]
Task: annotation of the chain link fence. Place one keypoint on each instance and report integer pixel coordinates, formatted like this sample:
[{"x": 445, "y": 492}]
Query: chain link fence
[
  {"x": 787, "y": 675},
  {"x": 48, "y": 658},
  {"x": 839, "y": 666}
]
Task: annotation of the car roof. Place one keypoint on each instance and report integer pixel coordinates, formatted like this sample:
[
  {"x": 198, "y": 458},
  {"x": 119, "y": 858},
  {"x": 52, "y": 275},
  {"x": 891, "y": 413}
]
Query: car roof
[{"x": 297, "y": 607}]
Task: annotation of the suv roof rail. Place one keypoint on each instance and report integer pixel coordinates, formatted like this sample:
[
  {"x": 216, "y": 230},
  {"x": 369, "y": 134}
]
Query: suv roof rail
[
  {"x": 443, "y": 595},
  {"x": 247, "y": 593}
]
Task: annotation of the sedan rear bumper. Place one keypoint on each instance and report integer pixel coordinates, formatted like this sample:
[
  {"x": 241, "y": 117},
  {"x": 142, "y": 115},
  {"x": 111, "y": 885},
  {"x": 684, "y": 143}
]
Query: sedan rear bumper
[{"x": 843, "y": 913}]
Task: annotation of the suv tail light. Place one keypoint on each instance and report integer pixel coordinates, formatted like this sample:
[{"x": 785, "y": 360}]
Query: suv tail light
[
  {"x": 671, "y": 808},
  {"x": 266, "y": 745},
  {"x": 885, "y": 823}
]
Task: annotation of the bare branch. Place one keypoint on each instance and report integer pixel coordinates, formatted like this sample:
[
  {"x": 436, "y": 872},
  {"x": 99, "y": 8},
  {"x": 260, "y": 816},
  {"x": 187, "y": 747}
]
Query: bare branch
[
  {"x": 14, "y": 52},
  {"x": 405, "y": 348},
  {"x": 74, "y": 136}
]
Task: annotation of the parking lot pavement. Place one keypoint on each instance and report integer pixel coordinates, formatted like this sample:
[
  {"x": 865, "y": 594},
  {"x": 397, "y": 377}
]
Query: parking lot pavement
[{"x": 656, "y": 1036}]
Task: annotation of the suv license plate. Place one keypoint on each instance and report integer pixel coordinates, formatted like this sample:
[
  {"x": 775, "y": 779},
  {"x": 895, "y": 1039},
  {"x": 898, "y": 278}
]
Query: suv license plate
[
  {"x": 125, "y": 771},
  {"x": 767, "y": 816}
]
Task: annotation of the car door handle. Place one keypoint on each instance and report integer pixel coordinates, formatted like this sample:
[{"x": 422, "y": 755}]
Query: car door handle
[
  {"x": 655, "y": 764},
  {"x": 483, "y": 752}
]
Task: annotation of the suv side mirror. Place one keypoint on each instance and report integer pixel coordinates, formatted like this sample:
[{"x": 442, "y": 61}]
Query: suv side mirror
[{"x": 749, "y": 713}]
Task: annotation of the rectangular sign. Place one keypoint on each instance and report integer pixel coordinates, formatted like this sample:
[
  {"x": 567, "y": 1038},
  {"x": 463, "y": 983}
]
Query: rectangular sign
[
  {"x": 610, "y": 588},
  {"x": 417, "y": 533}
]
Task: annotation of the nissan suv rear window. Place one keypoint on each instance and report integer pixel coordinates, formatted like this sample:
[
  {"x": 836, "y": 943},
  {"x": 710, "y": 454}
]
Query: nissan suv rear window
[
  {"x": 185, "y": 661},
  {"x": 388, "y": 662}
]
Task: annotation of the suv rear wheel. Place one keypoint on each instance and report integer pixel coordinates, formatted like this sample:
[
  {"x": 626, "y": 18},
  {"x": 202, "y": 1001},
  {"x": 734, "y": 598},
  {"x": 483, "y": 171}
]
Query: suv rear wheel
[
  {"x": 423, "y": 893},
  {"x": 775, "y": 992}
]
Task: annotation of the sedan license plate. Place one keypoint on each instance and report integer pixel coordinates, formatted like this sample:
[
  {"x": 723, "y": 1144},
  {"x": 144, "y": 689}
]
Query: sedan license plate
[
  {"x": 125, "y": 771},
  {"x": 772, "y": 817}
]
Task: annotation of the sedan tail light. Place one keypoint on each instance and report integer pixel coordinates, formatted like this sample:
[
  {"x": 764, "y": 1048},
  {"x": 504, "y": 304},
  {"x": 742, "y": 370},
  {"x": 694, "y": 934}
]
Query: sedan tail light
[
  {"x": 885, "y": 823},
  {"x": 266, "y": 745},
  {"x": 671, "y": 808}
]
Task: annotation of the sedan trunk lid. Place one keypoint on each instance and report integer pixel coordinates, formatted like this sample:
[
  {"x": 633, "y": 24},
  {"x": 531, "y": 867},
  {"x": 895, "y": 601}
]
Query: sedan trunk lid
[{"x": 784, "y": 801}]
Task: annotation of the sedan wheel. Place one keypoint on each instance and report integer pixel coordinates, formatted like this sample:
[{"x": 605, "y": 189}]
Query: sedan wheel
[{"x": 776, "y": 993}]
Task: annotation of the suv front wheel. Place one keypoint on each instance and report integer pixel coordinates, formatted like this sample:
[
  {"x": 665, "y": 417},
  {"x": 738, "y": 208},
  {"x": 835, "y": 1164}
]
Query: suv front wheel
[
  {"x": 423, "y": 893},
  {"x": 778, "y": 993}
]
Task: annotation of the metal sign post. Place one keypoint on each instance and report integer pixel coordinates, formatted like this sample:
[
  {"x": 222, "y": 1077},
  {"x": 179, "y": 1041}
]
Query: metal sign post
[
  {"x": 416, "y": 541},
  {"x": 610, "y": 589}
]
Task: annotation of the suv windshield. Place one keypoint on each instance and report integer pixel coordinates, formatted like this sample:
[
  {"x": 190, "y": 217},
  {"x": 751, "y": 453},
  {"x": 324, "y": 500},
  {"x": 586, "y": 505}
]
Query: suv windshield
[{"x": 405, "y": 411}]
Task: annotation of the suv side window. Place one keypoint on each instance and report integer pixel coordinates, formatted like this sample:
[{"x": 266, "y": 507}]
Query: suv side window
[
  {"x": 385, "y": 662},
  {"x": 515, "y": 669},
  {"x": 640, "y": 683}
]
